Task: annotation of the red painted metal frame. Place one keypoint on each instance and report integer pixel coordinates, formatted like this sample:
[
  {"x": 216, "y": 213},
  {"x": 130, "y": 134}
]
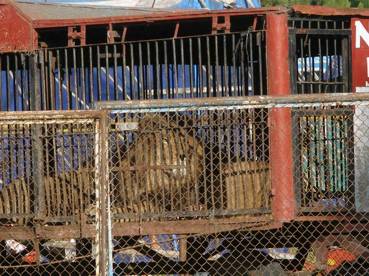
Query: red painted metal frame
[
  {"x": 283, "y": 201},
  {"x": 19, "y": 32},
  {"x": 328, "y": 11},
  {"x": 77, "y": 36},
  {"x": 164, "y": 16},
  {"x": 16, "y": 31}
]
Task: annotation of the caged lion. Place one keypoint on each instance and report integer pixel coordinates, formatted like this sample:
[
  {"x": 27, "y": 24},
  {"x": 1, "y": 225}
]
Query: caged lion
[
  {"x": 66, "y": 196},
  {"x": 159, "y": 167},
  {"x": 159, "y": 170}
]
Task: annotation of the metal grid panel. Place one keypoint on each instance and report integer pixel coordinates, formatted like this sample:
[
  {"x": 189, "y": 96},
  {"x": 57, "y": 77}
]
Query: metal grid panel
[
  {"x": 189, "y": 163},
  {"x": 49, "y": 168},
  {"x": 15, "y": 82},
  {"x": 324, "y": 150},
  {"x": 320, "y": 23},
  {"x": 192, "y": 67},
  {"x": 320, "y": 55},
  {"x": 331, "y": 134}
]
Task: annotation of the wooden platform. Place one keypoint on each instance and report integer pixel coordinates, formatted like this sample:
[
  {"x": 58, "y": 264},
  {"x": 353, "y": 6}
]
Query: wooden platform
[{"x": 204, "y": 226}]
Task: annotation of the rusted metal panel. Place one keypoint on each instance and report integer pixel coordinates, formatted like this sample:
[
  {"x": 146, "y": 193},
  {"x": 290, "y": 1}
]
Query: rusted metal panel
[
  {"x": 25, "y": 23},
  {"x": 16, "y": 32},
  {"x": 283, "y": 203},
  {"x": 43, "y": 15},
  {"x": 329, "y": 11},
  {"x": 51, "y": 15}
]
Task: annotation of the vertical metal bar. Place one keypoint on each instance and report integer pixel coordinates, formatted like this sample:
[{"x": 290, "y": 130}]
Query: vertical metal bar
[
  {"x": 251, "y": 70},
  {"x": 159, "y": 86},
  {"x": 63, "y": 152},
  {"x": 225, "y": 67},
  {"x": 281, "y": 156},
  {"x": 107, "y": 73},
  {"x": 328, "y": 64},
  {"x": 99, "y": 86},
  {"x": 43, "y": 80},
  {"x": 303, "y": 66},
  {"x": 311, "y": 66},
  {"x": 150, "y": 71},
  {"x": 191, "y": 66},
  {"x": 66, "y": 70},
  {"x": 336, "y": 61},
  {"x": 83, "y": 78},
  {"x": 22, "y": 83},
  {"x": 15, "y": 82},
  {"x": 217, "y": 72},
  {"x": 220, "y": 138},
  {"x": 91, "y": 76},
  {"x": 167, "y": 82},
  {"x": 183, "y": 70},
  {"x": 124, "y": 68},
  {"x": 234, "y": 68},
  {"x": 243, "y": 78},
  {"x": 135, "y": 95},
  {"x": 59, "y": 80},
  {"x": 75, "y": 83},
  {"x": 103, "y": 225},
  {"x": 262, "y": 79},
  {"x": 145, "y": 71},
  {"x": 140, "y": 72},
  {"x": 208, "y": 68},
  {"x": 37, "y": 144},
  {"x": 175, "y": 68},
  {"x": 8, "y": 96},
  {"x": 345, "y": 63},
  {"x": 116, "y": 94},
  {"x": 200, "y": 90},
  {"x": 228, "y": 147},
  {"x": 51, "y": 79}
]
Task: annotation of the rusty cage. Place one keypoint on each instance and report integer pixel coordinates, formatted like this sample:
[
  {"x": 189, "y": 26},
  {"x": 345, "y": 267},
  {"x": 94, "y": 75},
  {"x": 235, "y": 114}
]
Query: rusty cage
[{"x": 182, "y": 142}]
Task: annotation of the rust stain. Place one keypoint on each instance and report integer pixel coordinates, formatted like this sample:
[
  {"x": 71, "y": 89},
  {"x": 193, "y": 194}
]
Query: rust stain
[{"x": 328, "y": 11}]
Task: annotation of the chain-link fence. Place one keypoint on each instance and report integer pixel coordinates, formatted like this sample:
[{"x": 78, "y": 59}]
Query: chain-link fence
[
  {"x": 49, "y": 174},
  {"x": 188, "y": 187},
  {"x": 193, "y": 191}
]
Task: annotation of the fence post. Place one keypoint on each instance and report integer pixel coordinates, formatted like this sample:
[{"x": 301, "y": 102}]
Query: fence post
[
  {"x": 283, "y": 202},
  {"x": 103, "y": 229},
  {"x": 37, "y": 143}
]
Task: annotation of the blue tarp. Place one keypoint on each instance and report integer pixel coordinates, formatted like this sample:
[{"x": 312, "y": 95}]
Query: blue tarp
[{"x": 175, "y": 4}]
